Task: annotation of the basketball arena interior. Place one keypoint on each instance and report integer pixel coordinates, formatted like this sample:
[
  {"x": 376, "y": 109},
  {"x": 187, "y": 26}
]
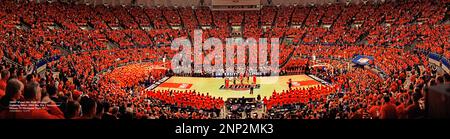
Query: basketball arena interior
[{"x": 115, "y": 59}]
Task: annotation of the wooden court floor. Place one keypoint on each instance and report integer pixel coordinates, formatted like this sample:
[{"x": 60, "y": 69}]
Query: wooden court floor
[{"x": 213, "y": 85}]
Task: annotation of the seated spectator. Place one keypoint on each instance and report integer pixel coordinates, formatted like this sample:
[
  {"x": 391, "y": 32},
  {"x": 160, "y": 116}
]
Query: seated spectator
[
  {"x": 5, "y": 77},
  {"x": 414, "y": 111},
  {"x": 89, "y": 107},
  {"x": 111, "y": 114},
  {"x": 100, "y": 110},
  {"x": 59, "y": 100},
  {"x": 13, "y": 92},
  {"x": 2, "y": 93},
  {"x": 32, "y": 93},
  {"x": 73, "y": 110},
  {"x": 388, "y": 110}
]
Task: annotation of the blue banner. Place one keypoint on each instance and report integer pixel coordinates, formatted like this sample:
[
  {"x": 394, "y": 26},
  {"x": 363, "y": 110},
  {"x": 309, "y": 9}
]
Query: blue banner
[
  {"x": 362, "y": 60},
  {"x": 434, "y": 56},
  {"x": 42, "y": 62}
]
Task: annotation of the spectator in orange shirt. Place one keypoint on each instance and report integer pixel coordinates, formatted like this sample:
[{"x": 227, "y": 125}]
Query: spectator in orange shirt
[
  {"x": 2, "y": 93},
  {"x": 388, "y": 110},
  {"x": 13, "y": 92},
  {"x": 401, "y": 109},
  {"x": 373, "y": 111},
  {"x": 5, "y": 76}
]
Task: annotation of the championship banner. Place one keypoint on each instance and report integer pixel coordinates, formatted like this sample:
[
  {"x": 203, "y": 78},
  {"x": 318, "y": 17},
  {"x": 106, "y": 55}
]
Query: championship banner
[{"x": 362, "y": 60}]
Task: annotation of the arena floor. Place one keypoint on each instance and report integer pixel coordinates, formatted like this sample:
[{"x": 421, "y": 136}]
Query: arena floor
[{"x": 213, "y": 85}]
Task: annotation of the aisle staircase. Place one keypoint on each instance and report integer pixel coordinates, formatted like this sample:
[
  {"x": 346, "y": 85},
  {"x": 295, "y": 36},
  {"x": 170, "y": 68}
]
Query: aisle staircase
[{"x": 289, "y": 57}]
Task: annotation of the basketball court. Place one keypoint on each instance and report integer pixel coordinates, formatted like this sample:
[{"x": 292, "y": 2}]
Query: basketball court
[{"x": 215, "y": 86}]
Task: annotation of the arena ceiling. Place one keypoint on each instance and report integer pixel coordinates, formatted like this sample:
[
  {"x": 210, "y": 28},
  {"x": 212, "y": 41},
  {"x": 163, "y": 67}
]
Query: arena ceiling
[{"x": 184, "y": 3}]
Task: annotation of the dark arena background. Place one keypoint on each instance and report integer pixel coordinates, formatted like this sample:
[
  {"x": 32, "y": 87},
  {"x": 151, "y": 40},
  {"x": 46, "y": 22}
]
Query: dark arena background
[{"x": 116, "y": 60}]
